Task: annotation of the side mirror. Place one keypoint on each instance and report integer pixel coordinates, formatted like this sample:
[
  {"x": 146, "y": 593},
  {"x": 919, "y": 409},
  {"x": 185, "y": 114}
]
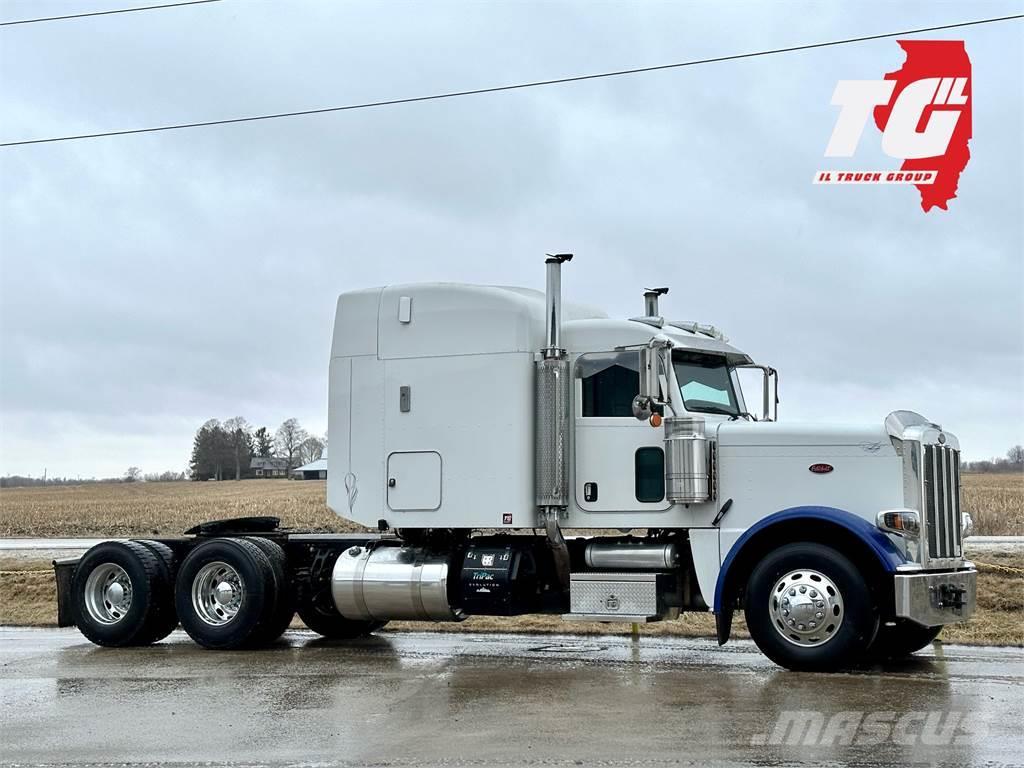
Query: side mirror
[
  {"x": 769, "y": 386},
  {"x": 643, "y": 407},
  {"x": 650, "y": 384}
]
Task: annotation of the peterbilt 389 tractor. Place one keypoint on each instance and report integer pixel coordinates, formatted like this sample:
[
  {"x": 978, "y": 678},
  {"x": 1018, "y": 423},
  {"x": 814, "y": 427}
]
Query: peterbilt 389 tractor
[{"x": 510, "y": 455}]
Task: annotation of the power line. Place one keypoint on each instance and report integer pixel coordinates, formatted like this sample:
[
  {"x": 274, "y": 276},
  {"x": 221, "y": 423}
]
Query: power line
[
  {"x": 513, "y": 87},
  {"x": 104, "y": 13}
]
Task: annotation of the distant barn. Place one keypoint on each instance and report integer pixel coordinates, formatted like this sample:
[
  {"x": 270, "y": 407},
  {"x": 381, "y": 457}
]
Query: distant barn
[{"x": 315, "y": 470}]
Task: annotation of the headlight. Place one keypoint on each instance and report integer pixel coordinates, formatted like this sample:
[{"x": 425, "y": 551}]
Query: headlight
[
  {"x": 903, "y": 522},
  {"x": 966, "y": 525}
]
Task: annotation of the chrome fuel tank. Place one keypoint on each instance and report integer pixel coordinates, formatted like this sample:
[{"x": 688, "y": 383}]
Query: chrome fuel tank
[{"x": 390, "y": 582}]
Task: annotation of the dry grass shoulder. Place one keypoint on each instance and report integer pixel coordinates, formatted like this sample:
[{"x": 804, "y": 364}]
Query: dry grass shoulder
[
  {"x": 151, "y": 509},
  {"x": 28, "y": 598}
]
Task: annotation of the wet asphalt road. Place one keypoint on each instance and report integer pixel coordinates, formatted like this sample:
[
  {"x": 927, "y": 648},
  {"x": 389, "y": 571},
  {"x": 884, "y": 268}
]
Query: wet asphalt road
[{"x": 455, "y": 699}]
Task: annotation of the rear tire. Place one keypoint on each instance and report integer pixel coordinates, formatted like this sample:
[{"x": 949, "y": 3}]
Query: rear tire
[
  {"x": 167, "y": 620},
  {"x": 284, "y": 610},
  {"x": 809, "y": 608},
  {"x": 117, "y": 591},
  {"x": 901, "y": 639},
  {"x": 226, "y": 594}
]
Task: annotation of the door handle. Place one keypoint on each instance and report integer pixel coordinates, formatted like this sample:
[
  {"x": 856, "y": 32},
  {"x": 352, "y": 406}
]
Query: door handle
[{"x": 391, "y": 482}]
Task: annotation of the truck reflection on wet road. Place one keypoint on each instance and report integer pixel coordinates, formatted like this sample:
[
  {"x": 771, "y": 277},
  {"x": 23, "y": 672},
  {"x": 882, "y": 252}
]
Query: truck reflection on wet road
[{"x": 420, "y": 698}]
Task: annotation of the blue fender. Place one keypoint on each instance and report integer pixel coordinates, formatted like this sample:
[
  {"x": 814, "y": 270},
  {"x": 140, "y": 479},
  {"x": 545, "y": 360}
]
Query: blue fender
[{"x": 879, "y": 543}]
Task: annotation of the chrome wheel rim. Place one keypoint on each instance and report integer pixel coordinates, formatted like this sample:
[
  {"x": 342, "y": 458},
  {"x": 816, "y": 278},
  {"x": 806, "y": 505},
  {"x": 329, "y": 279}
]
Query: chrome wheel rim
[
  {"x": 806, "y": 608},
  {"x": 217, "y": 593},
  {"x": 108, "y": 593}
]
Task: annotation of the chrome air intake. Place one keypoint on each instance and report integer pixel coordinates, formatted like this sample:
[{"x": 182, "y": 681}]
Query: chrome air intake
[{"x": 687, "y": 479}]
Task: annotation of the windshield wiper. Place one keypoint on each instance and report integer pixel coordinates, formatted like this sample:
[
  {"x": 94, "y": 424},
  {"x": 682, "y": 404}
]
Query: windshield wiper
[
  {"x": 712, "y": 408},
  {"x": 749, "y": 416}
]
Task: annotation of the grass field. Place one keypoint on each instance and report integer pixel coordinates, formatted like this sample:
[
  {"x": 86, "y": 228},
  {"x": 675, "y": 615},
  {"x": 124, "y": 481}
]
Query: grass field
[
  {"x": 150, "y": 509},
  {"x": 996, "y": 502},
  {"x": 135, "y": 509}
]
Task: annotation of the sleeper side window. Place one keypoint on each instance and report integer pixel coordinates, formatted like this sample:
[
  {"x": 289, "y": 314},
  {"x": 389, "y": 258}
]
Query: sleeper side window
[{"x": 610, "y": 382}]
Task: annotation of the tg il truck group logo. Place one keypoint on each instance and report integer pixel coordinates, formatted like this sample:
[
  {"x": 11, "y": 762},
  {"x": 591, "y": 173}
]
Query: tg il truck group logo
[{"x": 923, "y": 111}]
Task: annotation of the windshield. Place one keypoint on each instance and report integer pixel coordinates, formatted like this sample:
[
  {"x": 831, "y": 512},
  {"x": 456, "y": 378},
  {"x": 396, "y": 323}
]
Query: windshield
[{"x": 705, "y": 382}]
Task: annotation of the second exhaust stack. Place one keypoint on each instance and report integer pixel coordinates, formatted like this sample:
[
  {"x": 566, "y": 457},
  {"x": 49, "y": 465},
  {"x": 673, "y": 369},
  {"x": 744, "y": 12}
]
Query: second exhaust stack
[{"x": 651, "y": 301}]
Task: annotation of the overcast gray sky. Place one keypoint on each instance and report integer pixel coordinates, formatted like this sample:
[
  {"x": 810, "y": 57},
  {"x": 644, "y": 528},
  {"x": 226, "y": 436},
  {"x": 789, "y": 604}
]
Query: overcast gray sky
[{"x": 151, "y": 282}]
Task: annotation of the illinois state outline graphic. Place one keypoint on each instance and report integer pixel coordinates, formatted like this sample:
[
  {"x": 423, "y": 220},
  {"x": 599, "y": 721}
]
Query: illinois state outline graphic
[{"x": 935, "y": 58}]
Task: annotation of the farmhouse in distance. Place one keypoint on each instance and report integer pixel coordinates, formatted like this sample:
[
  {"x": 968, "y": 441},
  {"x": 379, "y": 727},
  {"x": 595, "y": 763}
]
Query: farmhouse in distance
[
  {"x": 233, "y": 450},
  {"x": 268, "y": 466}
]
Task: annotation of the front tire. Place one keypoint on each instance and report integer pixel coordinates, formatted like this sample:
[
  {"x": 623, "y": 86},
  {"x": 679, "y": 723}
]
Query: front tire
[
  {"x": 226, "y": 594},
  {"x": 809, "y": 608},
  {"x": 901, "y": 638}
]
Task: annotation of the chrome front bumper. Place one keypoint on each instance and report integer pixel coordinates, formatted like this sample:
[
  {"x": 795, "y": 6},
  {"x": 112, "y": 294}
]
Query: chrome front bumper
[{"x": 932, "y": 599}]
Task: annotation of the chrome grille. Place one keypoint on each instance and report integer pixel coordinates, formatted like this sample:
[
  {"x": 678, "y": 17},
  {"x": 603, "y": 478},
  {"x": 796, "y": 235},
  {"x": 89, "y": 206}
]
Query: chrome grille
[{"x": 941, "y": 491}]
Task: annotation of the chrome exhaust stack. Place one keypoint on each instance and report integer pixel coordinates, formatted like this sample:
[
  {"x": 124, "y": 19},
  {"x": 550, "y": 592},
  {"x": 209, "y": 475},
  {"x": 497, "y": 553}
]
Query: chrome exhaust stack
[
  {"x": 651, "y": 301},
  {"x": 551, "y": 435},
  {"x": 553, "y": 306}
]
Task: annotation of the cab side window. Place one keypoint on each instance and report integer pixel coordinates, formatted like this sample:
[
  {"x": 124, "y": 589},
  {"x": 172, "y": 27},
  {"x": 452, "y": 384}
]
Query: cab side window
[{"x": 610, "y": 382}]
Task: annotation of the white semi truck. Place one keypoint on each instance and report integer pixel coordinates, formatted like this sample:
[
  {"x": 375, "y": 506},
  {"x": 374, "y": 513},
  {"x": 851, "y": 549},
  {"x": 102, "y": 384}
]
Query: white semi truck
[{"x": 472, "y": 426}]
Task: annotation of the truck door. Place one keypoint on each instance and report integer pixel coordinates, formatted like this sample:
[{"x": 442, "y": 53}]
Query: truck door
[{"x": 620, "y": 461}]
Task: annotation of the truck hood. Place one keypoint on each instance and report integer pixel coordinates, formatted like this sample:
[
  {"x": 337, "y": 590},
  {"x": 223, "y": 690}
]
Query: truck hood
[{"x": 871, "y": 438}]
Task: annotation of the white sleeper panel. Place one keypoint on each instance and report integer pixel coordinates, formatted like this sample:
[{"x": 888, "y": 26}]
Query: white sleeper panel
[
  {"x": 476, "y": 411},
  {"x": 339, "y": 433}
]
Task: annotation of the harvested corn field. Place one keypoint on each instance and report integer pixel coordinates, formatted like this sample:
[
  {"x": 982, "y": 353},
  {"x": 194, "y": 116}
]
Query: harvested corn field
[{"x": 995, "y": 501}]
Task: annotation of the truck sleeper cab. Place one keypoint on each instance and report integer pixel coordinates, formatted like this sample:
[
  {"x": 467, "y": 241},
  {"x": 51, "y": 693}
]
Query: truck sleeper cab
[{"x": 470, "y": 426}]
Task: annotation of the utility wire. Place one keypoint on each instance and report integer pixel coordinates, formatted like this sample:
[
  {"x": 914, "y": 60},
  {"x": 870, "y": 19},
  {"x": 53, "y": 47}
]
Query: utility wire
[
  {"x": 104, "y": 13},
  {"x": 513, "y": 87}
]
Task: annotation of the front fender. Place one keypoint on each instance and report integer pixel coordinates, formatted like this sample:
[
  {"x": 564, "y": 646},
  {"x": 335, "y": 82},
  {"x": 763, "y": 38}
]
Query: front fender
[{"x": 877, "y": 542}]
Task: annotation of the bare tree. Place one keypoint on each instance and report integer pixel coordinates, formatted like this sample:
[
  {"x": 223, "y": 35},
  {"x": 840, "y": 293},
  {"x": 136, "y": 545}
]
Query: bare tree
[
  {"x": 132, "y": 475},
  {"x": 239, "y": 435},
  {"x": 288, "y": 440},
  {"x": 1016, "y": 454},
  {"x": 311, "y": 449}
]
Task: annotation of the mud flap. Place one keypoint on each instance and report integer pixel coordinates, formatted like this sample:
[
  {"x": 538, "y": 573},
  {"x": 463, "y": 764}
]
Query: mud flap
[
  {"x": 64, "y": 571},
  {"x": 723, "y": 625}
]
